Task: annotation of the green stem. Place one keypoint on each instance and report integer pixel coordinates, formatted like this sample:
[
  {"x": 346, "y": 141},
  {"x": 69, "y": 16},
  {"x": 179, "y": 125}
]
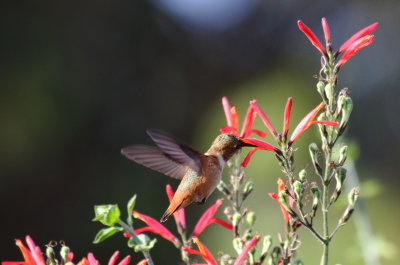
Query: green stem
[
  {"x": 130, "y": 230},
  {"x": 325, "y": 202}
]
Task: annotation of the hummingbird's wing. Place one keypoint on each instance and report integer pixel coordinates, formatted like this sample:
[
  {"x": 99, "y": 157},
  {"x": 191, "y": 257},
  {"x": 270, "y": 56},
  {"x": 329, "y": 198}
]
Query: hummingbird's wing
[
  {"x": 154, "y": 158},
  {"x": 176, "y": 150}
]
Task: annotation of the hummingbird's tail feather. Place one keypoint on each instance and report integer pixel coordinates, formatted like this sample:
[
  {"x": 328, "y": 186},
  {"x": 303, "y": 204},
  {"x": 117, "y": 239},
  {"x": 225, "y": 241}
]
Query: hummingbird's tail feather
[{"x": 170, "y": 211}]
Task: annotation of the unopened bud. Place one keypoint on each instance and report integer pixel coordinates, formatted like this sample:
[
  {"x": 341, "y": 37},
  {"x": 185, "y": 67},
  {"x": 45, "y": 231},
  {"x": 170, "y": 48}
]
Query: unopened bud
[
  {"x": 236, "y": 218},
  {"x": 330, "y": 93},
  {"x": 342, "y": 155},
  {"x": 346, "y": 215},
  {"x": 222, "y": 187},
  {"x": 50, "y": 256},
  {"x": 344, "y": 93},
  {"x": 64, "y": 253},
  {"x": 251, "y": 218},
  {"x": 313, "y": 149},
  {"x": 302, "y": 175},
  {"x": 298, "y": 188},
  {"x": 346, "y": 111},
  {"x": 340, "y": 176},
  {"x": 283, "y": 199},
  {"x": 316, "y": 196},
  {"x": 321, "y": 90},
  {"x": 267, "y": 243},
  {"x": 248, "y": 188},
  {"x": 353, "y": 196},
  {"x": 237, "y": 245}
]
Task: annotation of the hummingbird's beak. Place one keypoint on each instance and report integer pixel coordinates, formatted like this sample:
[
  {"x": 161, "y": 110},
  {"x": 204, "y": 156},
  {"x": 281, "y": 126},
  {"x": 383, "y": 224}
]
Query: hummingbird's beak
[{"x": 244, "y": 143}]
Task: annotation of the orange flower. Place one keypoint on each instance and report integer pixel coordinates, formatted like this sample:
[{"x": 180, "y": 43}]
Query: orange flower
[
  {"x": 307, "y": 121},
  {"x": 232, "y": 120},
  {"x": 207, "y": 218},
  {"x": 155, "y": 227},
  {"x": 203, "y": 251},
  {"x": 281, "y": 187},
  {"x": 32, "y": 256}
]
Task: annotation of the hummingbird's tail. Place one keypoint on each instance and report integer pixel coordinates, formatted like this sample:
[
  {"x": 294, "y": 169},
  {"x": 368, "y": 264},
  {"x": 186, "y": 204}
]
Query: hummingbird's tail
[{"x": 171, "y": 209}]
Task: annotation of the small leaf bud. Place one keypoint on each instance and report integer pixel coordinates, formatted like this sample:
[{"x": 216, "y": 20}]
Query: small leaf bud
[
  {"x": 342, "y": 155},
  {"x": 248, "y": 188},
  {"x": 314, "y": 150},
  {"x": 222, "y": 187},
  {"x": 302, "y": 175},
  {"x": 346, "y": 111},
  {"x": 321, "y": 89},
  {"x": 330, "y": 93},
  {"x": 283, "y": 199},
  {"x": 340, "y": 176},
  {"x": 298, "y": 189},
  {"x": 64, "y": 253},
  {"x": 251, "y": 218},
  {"x": 237, "y": 245},
  {"x": 316, "y": 196},
  {"x": 267, "y": 243},
  {"x": 353, "y": 196},
  {"x": 236, "y": 218}
]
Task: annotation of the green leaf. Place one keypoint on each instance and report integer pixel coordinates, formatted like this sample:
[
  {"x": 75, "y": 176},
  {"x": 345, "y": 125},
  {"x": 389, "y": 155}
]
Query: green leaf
[
  {"x": 107, "y": 214},
  {"x": 130, "y": 206},
  {"x": 145, "y": 243},
  {"x": 105, "y": 233}
]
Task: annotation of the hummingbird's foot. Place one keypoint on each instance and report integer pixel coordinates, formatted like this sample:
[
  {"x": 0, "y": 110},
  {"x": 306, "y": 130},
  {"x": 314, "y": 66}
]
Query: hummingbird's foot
[{"x": 203, "y": 201}]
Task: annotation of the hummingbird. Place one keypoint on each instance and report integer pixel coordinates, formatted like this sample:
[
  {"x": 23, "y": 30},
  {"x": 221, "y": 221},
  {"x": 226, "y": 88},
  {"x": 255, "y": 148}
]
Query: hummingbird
[{"x": 199, "y": 172}]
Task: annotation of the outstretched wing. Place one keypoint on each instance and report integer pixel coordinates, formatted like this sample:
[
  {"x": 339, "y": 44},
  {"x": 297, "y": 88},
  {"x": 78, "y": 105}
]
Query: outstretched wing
[
  {"x": 176, "y": 150},
  {"x": 154, "y": 158}
]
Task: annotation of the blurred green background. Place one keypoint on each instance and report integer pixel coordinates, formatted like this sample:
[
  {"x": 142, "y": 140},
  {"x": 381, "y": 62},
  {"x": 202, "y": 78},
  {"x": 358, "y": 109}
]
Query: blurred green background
[{"x": 81, "y": 79}]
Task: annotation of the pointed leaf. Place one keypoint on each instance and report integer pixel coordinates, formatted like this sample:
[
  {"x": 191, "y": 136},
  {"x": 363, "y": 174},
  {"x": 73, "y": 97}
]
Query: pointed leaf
[{"x": 105, "y": 233}]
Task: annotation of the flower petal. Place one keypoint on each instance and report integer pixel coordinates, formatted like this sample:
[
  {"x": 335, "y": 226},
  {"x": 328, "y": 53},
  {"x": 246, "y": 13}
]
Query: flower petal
[
  {"x": 157, "y": 227},
  {"x": 264, "y": 118},
  {"x": 126, "y": 260},
  {"x": 205, "y": 219},
  {"x": 260, "y": 143},
  {"x": 354, "y": 49},
  {"x": 113, "y": 258},
  {"x": 259, "y": 133},
  {"x": 305, "y": 123},
  {"x": 273, "y": 195},
  {"x": 286, "y": 116},
  {"x": 227, "y": 111},
  {"x": 92, "y": 259},
  {"x": 240, "y": 259},
  {"x": 248, "y": 122},
  {"x": 326, "y": 123},
  {"x": 327, "y": 33},
  {"x": 25, "y": 253},
  {"x": 248, "y": 156},
  {"x": 84, "y": 261},
  {"x": 311, "y": 37},
  {"x": 235, "y": 120},
  {"x": 35, "y": 251},
  {"x": 365, "y": 31},
  {"x": 206, "y": 254},
  {"x": 227, "y": 129},
  {"x": 222, "y": 222},
  {"x": 179, "y": 215},
  {"x": 143, "y": 229}
]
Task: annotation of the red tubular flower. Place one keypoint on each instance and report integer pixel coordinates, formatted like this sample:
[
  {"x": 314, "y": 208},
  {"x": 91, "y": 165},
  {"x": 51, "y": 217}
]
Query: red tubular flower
[
  {"x": 281, "y": 186},
  {"x": 203, "y": 251},
  {"x": 264, "y": 118},
  {"x": 286, "y": 116},
  {"x": 308, "y": 120},
  {"x": 240, "y": 259},
  {"x": 114, "y": 257},
  {"x": 327, "y": 33},
  {"x": 179, "y": 215},
  {"x": 232, "y": 120},
  {"x": 354, "y": 48},
  {"x": 155, "y": 227},
  {"x": 311, "y": 37},
  {"x": 207, "y": 218},
  {"x": 363, "y": 32},
  {"x": 32, "y": 256}
]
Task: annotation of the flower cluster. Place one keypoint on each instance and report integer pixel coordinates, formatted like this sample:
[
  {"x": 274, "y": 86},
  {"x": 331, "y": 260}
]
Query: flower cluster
[
  {"x": 348, "y": 49},
  {"x": 33, "y": 256},
  {"x": 281, "y": 138},
  {"x": 156, "y": 227}
]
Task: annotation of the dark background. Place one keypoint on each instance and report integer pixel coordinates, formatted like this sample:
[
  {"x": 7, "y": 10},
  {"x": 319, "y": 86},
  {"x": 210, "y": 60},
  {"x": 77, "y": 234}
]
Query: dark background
[{"x": 81, "y": 79}]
